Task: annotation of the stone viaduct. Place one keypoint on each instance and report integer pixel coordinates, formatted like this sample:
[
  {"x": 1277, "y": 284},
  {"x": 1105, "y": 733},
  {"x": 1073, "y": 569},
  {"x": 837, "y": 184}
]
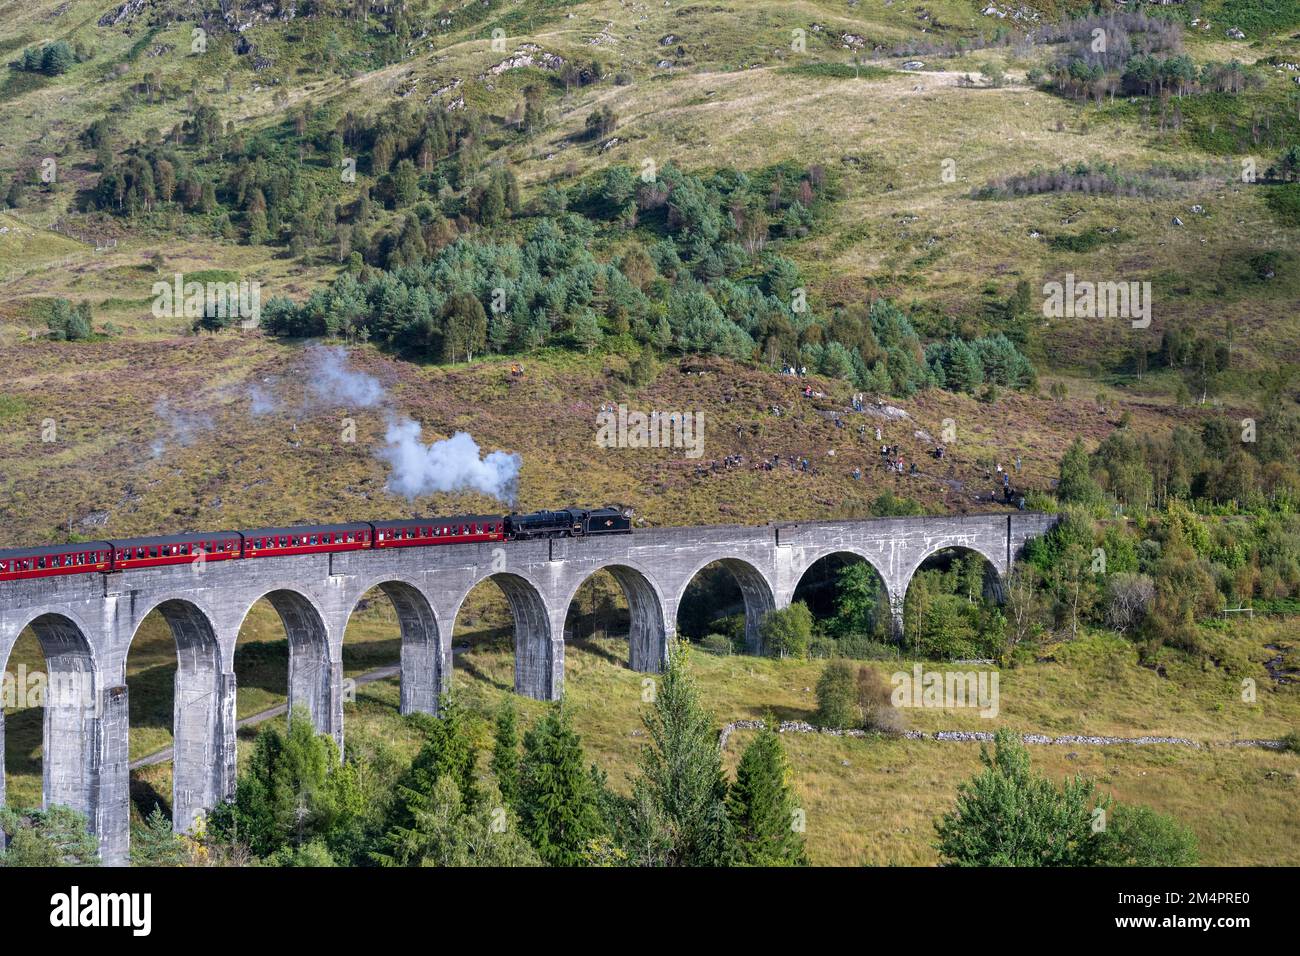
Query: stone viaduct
[{"x": 85, "y": 624}]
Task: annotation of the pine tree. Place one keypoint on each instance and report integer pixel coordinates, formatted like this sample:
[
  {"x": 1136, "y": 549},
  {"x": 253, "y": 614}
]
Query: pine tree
[
  {"x": 445, "y": 832},
  {"x": 505, "y": 753},
  {"x": 1011, "y": 816},
  {"x": 54, "y": 836},
  {"x": 155, "y": 843},
  {"x": 681, "y": 791},
  {"x": 447, "y": 751},
  {"x": 278, "y": 800},
  {"x": 762, "y": 807},
  {"x": 557, "y": 799}
]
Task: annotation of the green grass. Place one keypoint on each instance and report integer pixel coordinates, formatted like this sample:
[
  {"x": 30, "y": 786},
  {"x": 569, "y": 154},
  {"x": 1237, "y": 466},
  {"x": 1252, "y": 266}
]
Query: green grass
[
  {"x": 838, "y": 71},
  {"x": 1088, "y": 240},
  {"x": 11, "y": 407},
  {"x": 1284, "y": 203},
  {"x": 1256, "y": 17}
]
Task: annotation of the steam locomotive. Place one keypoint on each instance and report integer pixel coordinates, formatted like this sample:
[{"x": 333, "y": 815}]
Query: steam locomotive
[{"x": 133, "y": 553}]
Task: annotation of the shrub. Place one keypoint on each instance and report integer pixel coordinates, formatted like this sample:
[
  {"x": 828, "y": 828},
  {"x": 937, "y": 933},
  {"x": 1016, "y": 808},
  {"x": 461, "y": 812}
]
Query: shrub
[
  {"x": 1140, "y": 836},
  {"x": 860, "y": 647},
  {"x": 716, "y": 644},
  {"x": 1009, "y": 815},
  {"x": 55, "y": 836},
  {"x": 837, "y": 696},
  {"x": 1127, "y": 598},
  {"x": 822, "y": 647},
  {"x": 155, "y": 843},
  {"x": 1284, "y": 203},
  {"x": 786, "y": 633},
  {"x": 875, "y": 701},
  {"x": 68, "y": 322}
]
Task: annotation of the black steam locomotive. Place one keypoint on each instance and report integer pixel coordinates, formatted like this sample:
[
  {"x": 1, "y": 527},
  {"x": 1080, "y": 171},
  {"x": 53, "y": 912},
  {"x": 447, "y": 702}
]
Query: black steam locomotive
[{"x": 569, "y": 523}]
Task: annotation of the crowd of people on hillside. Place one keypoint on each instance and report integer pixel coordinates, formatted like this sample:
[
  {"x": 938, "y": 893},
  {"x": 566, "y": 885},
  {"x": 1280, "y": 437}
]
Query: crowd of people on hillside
[{"x": 892, "y": 458}]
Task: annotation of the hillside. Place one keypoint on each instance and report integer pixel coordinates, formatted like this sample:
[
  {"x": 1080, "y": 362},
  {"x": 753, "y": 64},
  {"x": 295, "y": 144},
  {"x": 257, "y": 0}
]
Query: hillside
[{"x": 797, "y": 223}]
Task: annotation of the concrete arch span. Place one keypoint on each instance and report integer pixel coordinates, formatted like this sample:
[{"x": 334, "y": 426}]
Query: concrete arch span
[
  {"x": 648, "y": 633},
  {"x": 756, "y": 592},
  {"x": 425, "y": 652}
]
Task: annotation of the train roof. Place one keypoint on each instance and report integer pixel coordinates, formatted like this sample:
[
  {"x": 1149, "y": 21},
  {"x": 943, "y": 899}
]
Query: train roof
[
  {"x": 444, "y": 519},
  {"x": 306, "y": 528},
  {"x": 55, "y": 549},
  {"x": 185, "y": 538}
]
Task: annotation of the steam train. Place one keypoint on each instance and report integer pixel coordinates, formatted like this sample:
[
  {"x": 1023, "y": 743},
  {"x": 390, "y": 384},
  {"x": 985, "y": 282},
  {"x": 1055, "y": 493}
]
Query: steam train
[{"x": 133, "y": 553}]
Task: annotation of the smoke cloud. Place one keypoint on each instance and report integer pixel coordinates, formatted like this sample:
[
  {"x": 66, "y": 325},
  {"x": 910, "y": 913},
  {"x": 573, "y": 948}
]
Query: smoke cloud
[
  {"x": 332, "y": 381},
  {"x": 182, "y": 426},
  {"x": 415, "y": 468},
  {"x": 262, "y": 402},
  {"x": 452, "y": 464}
]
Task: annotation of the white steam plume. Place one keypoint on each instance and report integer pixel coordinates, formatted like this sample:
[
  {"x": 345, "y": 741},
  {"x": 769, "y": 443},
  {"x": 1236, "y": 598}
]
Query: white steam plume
[
  {"x": 182, "y": 426},
  {"x": 452, "y": 464},
  {"x": 333, "y": 382}
]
